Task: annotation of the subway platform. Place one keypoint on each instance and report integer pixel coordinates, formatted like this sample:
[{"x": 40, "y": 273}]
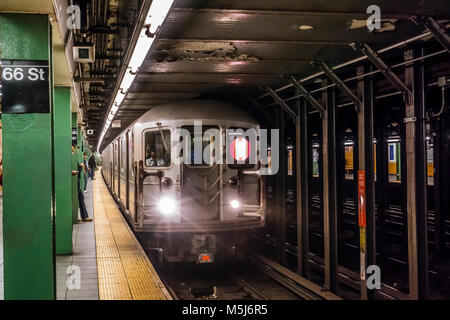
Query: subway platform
[{"x": 108, "y": 262}]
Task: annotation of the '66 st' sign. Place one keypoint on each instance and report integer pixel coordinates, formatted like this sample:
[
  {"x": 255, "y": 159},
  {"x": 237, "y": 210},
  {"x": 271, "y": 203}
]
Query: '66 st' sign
[{"x": 25, "y": 86}]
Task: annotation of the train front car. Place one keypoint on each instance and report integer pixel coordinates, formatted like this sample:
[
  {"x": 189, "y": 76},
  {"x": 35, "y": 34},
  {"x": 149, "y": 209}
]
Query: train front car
[{"x": 198, "y": 188}]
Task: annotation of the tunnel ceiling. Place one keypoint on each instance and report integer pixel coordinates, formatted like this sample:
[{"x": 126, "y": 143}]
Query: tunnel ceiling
[{"x": 226, "y": 47}]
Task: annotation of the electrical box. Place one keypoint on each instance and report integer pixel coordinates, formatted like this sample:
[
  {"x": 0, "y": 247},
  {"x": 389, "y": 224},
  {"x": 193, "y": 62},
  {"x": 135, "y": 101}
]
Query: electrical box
[{"x": 84, "y": 53}]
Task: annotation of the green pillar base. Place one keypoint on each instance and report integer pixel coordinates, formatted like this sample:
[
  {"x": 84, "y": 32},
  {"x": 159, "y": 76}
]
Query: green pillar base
[{"x": 63, "y": 170}]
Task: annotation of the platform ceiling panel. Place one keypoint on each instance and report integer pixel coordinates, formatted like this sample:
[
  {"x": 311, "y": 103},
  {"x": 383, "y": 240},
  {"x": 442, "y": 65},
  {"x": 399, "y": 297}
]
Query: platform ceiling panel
[{"x": 224, "y": 47}]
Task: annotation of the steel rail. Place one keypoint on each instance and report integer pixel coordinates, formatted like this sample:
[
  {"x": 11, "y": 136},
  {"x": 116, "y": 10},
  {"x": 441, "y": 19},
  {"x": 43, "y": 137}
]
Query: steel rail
[
  {"x": 350, "y": 62},
  {"x": 290, "y": 280},
  {"x": 363, "y": 76},
  {"x": 256, "y": 293}
]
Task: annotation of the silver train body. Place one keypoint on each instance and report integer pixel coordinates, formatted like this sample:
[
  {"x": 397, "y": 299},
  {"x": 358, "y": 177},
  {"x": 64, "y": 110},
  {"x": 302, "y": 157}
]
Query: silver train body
[{"x": 187, "y": 212}]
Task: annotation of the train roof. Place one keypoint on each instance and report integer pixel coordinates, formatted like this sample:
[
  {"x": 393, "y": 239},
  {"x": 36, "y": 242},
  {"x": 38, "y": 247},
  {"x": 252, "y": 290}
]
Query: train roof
[{"x": 197, "y": 110}]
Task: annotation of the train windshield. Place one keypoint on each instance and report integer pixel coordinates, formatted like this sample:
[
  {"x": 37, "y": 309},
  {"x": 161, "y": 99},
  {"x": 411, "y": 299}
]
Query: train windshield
[
  {"x": 206, "y": 140},
  {"x": 157, "y": 148}
]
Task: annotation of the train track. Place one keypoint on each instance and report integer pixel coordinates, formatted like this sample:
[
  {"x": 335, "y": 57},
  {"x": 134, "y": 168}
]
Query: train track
[{"x": 257, "y": 278}]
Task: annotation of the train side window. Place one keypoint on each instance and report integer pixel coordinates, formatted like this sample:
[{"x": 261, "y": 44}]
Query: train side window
[
  {"x": 206, "y": 139},
  {"x": 430, "y": 162},
  {"x": 315, "y": 160},
  {"x": 241, "y": 148},
  {"x": 290, "y": 159},
  {"x": 157, "y": 148},
  {"x": 348, "y": 145},
  {"x": 394, "y": 161}
]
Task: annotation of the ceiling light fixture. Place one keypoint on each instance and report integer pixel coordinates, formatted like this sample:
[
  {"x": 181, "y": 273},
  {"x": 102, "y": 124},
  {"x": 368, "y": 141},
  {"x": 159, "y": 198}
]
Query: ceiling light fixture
[{"x": 305, "y": 27}]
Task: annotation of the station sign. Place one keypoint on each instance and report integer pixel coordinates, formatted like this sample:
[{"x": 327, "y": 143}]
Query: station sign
[
  {"x": 362, "y": 198},
  {"x": 25, "y": 86},
  {"x": 74, "y": 136}
]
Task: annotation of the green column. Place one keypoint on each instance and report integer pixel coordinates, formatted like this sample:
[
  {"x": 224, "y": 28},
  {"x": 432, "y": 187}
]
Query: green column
[
  {"x": 74, "y": 178},
  {"x": 63, "y": 170},
  {"x": 27, "y": 173}
]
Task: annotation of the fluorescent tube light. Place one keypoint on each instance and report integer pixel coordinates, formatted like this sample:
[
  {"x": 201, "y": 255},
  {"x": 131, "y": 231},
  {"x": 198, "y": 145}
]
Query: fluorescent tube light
[
  {"x": 127, "y": 80},
  {"x": 154, "y": 19}
]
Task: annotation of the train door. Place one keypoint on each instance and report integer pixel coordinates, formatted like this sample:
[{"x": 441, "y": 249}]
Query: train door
[
  {"x": 127, "y": 171},
  {"x": 156, "y": 151},
  {"x": 123, "y": 158},
  {"x": 113, "y": 167},
  {"x": 116, "y": 169},
  {"x": 119, "y": 144},
  {"x": 131, "y": 176},
  {"x": 201, "y": 182},
  {"x": 110, "y": 167}
]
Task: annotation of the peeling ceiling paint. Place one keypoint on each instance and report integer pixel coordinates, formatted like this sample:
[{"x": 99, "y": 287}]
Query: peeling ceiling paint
[
  {"x": 206, "y": 51},
  {"x": 386, "y": 25}
]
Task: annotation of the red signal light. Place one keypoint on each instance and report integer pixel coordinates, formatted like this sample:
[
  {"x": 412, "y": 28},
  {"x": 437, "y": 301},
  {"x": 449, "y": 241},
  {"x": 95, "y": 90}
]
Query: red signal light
[{"x": 240, "y": 149}]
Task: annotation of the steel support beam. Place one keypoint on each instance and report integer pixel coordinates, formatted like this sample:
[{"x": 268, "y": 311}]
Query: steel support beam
[
  {"x": 438, "y": 192},
  {"x": 339, "y": 83},
  {"x": 299, "y": 212},
  {"x": 359, "y": 59},
  {"x": 365, "y": 179},
  {"x": 302, "y": 189},
  {"x": 436, "y": 30},
  {"x": 251, "y": 12},
  {"x": 382, "y": 175},
  {"x": 93, "y": 79},
  {"x": 416, "y": 181},
  {"x": 256, "y": 42},
  {"x": 329, "y": 190},
  {"x": 380, "y": 64},
  {"x": 281, "y": 103},
  {"x": 306, "y": 94},
  {"x": 280, "y": 203},
  {"x": 102, "y": 30}
]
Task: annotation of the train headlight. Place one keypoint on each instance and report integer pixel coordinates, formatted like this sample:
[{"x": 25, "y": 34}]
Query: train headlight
[
  {"x": 166, "y": 183},
  {"x": 167, "y": 206},
  {"x": 234, "y": 181},
  {"x": 235, "y": 204}
]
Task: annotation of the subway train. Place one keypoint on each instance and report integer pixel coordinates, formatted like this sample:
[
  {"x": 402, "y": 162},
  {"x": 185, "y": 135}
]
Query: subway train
[{"x": 178, "y": 197}]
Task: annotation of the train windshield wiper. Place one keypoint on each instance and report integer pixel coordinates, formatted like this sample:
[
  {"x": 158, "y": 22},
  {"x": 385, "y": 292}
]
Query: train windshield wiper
[{"x": 163, "y": 138}]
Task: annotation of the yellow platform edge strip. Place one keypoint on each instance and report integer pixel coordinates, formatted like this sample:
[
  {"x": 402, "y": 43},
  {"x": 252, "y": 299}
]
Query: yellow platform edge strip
[{"x": 124, "y": 270}]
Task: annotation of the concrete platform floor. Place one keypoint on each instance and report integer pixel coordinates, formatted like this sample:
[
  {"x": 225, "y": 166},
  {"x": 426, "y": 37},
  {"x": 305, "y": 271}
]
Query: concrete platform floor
[{"x": 84, "y": 257}]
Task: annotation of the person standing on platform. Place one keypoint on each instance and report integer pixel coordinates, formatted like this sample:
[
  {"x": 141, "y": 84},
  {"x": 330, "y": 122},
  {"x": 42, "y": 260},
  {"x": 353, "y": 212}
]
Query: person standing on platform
[
  {"x": 92, "y": 165},
  {"x": 83, "y": 211},
  {"x": 85, "y": 170}
]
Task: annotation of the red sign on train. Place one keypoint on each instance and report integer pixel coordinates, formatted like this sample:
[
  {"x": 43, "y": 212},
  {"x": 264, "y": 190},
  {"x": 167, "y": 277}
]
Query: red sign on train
[{"x": 362, "y": 198}]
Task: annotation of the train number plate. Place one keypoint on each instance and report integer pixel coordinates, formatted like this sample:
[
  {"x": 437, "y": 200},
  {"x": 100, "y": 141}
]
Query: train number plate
[{"x": 205, "y": 258}]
